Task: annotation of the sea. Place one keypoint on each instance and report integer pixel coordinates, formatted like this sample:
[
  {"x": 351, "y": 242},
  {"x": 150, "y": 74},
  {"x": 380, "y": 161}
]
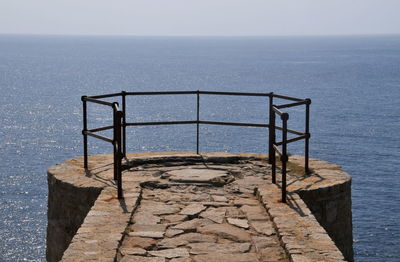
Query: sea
[{"x": 353, "y": 82}]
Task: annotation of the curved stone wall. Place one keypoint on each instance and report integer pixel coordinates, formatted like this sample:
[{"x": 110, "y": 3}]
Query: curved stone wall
[
  {"x": 329, "y": 199},
  {"x": 72, "y": 193},
  {"x": 68, "y": 205}
]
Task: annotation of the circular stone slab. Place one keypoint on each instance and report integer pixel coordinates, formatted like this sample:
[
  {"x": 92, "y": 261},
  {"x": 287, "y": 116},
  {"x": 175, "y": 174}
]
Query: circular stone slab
[{"x": 207, "y": 176}]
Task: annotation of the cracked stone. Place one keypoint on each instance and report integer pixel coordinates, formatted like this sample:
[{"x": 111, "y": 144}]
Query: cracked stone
[
  {"x": 142, "y": 259},
  {"x": 173, "y": 232},
  {"x": 186, "y": 239},
  {"x": 149, "y": 234},
  {"x": 243, "y": 223},
  {"x": 217, "y": 198},
  {"x": 215, "y": 214},
  {"x": 205, "y": 248},
  {"x": 133, "y": 251},
  {"x": 209, "y": 176},
  {"x": 192, "y": 209},
  {"x": 226, "y": 231},
  {"x": 221, "y": 257},
  {"x": 192, "y": 224},
  {"x": 264, "y": 228},
  {"x": 141, "y": 242},
  {"x": 170, "y": 253},
  {"x": 144, "y": 218}
]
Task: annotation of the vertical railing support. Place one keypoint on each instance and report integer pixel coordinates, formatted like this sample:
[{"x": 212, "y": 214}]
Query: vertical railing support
[
  {"x": 85, "y": 140},
  {"x": 123, "y": 94},
  {"x": 272, "y": 143},
  {"x": 119, "y": 153},
  {"x": 284, "y": 157},
  {"x": 271, "y": 150},
  {"x": 115, "y": 125},
  {"x": 307, "y": 139},
  {"x": 198, "y": 123}
]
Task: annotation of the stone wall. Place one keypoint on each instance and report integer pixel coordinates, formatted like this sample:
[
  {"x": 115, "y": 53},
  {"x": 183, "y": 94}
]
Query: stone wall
[
  {"x": 330, "y": 203},
  {"x": 68, "y": 206},
  {"x": 72, "y": 193}
]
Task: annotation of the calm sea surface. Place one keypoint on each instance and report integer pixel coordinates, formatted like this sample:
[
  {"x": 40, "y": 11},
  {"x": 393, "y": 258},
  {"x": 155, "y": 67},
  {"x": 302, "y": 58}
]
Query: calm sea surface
[{"x": 354, "y": 83}]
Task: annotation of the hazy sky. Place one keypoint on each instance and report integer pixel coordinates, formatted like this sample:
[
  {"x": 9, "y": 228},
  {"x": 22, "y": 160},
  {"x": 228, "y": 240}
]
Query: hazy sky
[{"x": 200, "y": 17}]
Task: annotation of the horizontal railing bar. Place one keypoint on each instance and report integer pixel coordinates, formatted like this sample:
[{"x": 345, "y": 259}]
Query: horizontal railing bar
[
  {"x": 277, "y": 149},
  {"x": 162, "y": 93},
  {"x": 291, "y": 140},
  {"x": 276, "y": 110},
  {"x": 288, "y": 98},
  {"x": 94, "y": 130},
  {"x": 291, "y": 105},
  {"x": 99, "y": 137},
  {"x": 195, "y": 122},
  {"x": 233, "y": 124},
  {"x": 93, "y": 100},
  {"x": 160, "y": 123},
  {"x": 292, "y": 131},
  {"x": 234, "y": 93},
  {"x": 106, "y": 95}
]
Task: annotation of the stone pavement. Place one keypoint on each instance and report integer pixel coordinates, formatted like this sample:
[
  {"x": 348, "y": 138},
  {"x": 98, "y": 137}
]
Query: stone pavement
[
  {"x": 208, "y": 216},
  {"x": 183, "y": 207}
]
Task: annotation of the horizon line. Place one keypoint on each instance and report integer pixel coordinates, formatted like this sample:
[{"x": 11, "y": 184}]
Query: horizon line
[{"x": 202, "y": 36}]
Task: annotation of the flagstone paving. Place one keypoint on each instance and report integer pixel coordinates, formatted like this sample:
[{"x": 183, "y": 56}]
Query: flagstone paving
[{"x": 206, "y": 216}]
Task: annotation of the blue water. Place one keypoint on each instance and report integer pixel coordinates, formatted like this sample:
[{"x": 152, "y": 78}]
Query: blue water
[{"x": 354, "y": 83}]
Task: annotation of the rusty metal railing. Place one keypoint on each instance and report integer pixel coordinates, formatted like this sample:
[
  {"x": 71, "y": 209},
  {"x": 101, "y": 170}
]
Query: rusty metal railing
[{"x": 120, "y": 124}]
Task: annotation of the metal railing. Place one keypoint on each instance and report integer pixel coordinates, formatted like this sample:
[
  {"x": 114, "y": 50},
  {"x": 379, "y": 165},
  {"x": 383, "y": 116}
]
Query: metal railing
[{"x": 119, "y": 128}]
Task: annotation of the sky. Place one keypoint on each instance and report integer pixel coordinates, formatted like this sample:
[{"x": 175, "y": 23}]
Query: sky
[{"x": 200, "y": 17}]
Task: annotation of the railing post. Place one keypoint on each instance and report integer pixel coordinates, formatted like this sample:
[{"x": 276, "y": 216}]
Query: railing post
[
  {"x": 85, "y": 140},
  {"x": 119, "y": 116},
  {"x": 124, "y": 122},
  {"x": 272, "y": 142},
  {"x": 307, "y": 139},
  {"x": 198, "y": 119},
  {"x": 284, "y": 157},
  {"x": 271, "y": 132},
  {"x": 115, "y": 124}
]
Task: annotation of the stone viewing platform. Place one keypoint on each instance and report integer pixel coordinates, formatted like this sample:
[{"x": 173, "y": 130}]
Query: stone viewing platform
[{"x": 185, "y": 207}]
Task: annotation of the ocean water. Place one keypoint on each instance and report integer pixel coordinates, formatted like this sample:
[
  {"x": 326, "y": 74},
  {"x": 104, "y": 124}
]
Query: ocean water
[{"x": 354, "y": 83}]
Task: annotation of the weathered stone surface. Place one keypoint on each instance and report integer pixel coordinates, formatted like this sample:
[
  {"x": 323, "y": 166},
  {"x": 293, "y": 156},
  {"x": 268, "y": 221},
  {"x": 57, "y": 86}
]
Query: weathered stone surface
[
  {"x": 264, "y": 228},
  {"x": 215, "y": 214},
  {"x": 192, "y": 209},
  {"x": 221, "y": 257},
  {"x": 140, "y": 242},
  {"x": 254, "y": 213},
  {"x": 157, "y": 208},
  {"x": 173, "y": 232},
  {"x": 200, "y": 176},
  {"x": 234, "y": 212},
  {"x": 243, "y": 223},
  {"x": 185, "y": 239},
  {"x": 181, "y": 259},
  {"x": 150, "y": 234},
  {"x": 300, "y": 234},
  {"x": 148, "y": 228},
  {"x": 146, "y": 218},
  {"x": 219, "y": 198},
  {"x": 205, "y": 248},
  {"x": 262, "y": 242},
  {"x": 170, "y": 253},
  {"x": 192, "y": 224},
  {"x": 245, "y": 201},
  {"x": 133, "y": 251},
  {"x": 226, "y": 231},
  {"x": 175, "y": 218},
  {"x": 142, "y": 259}
]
